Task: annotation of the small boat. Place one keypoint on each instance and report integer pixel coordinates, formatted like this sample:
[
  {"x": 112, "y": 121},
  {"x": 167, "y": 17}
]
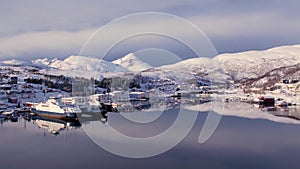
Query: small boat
[
  {"x": 22, "y": 110},
  {"x": 8, "y": 112},
  {"x": 14, "y": 117},
  {"x": 204, "y": 101},
  {"x": 282, "y": 104},
  {"x": 52, "y": 108}
]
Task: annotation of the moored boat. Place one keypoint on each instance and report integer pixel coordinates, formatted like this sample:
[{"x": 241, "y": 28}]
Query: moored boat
[{"x": 52, "y": 108}]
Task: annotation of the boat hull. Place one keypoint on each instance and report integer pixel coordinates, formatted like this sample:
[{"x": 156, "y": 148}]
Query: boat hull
[{"x": 53, "y": 114}]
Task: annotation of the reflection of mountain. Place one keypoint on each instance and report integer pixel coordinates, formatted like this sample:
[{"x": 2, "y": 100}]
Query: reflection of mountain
[{"x": 54, "y": 126}]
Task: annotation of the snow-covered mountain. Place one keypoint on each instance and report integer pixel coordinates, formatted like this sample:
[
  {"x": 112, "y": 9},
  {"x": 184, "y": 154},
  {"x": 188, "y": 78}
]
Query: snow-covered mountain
[
  {"x": 252, "y": 64},
  {"x": 240, "y": 67},
  {"x": 42, "y": 63},
  {"x": 205, "y": 67},
  {"x": 13, "y": 62},
  {"x": 131, "y": 62},
  {"x": 79, "y": 63}
]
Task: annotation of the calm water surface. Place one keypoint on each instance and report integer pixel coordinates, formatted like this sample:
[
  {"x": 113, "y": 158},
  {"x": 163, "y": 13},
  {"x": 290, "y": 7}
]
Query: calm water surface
[{"x": 237, "y": 143}]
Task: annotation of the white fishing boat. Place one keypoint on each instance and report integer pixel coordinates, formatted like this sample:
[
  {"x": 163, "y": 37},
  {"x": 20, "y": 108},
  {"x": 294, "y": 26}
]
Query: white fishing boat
[{"x": 52, "y": 108}]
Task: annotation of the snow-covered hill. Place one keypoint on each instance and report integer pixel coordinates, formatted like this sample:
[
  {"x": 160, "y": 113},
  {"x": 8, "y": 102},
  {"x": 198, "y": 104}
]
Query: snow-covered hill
[
  {"x": 205, "y": 67},
  {"x": 252, "y": 64},
  {"x": 238, "y": 66},
  {"x": 131, "y": 62},
  {"x": 274, "y": 76}
]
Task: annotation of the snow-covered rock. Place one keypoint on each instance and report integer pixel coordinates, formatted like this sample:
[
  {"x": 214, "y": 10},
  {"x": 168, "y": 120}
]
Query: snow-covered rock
[{"x": 131, "y": 62}]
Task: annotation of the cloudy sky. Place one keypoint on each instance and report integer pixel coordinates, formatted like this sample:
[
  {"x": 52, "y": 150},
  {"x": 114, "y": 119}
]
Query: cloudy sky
[{"x": 38, "y": 29}]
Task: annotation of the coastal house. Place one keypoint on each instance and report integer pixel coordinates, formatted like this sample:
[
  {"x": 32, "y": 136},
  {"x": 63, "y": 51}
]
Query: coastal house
[{"x": 267, "y": 101}]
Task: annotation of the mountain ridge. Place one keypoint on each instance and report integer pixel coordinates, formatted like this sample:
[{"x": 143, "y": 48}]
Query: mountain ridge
[{"x": 237, "y": 67}]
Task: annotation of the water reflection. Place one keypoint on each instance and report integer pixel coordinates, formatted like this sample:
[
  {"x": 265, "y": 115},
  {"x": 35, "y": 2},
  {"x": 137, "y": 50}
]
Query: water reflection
[
  {"x": 86, "y": 117},
  {"x": 237, "y": 143},
  {"x": 54, "y": 126},
  {"x": 137, "y": 109},
  {"x": 12, "y": 117}
]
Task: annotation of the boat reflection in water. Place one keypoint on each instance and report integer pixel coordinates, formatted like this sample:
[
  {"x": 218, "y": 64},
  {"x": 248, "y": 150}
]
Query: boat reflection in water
[
  {"x": 54, "y": 126},
  {"x": 9, "y": 116}
]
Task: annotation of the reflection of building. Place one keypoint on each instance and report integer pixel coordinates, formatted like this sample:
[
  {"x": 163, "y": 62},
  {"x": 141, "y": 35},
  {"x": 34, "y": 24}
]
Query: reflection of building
[
  {"x": 86, "y": 117},
  {"x": 133, "y": 105},
  {"x": 54, "y": 126},
  {"x": 140, "y": 105},
  {"x": 90, "y": 103}
]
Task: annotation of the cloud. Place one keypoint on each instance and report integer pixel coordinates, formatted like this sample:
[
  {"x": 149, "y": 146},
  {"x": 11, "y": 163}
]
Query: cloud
[
  {"x": 51, "y": 42},
  {"x": 59, "y": 28},
  {"x": 248, "y": 24},
  {"x": 62, "y": 43},
  {"x": 18, "y": 17}
]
